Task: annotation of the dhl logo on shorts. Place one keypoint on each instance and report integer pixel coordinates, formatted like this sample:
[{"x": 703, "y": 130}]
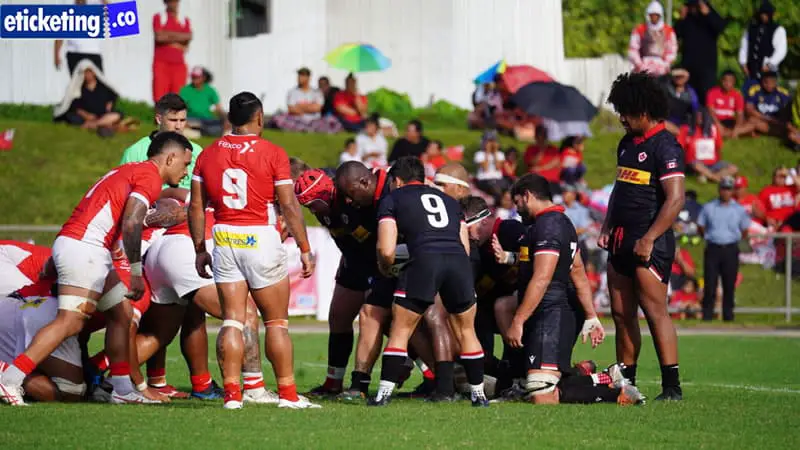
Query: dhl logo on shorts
[
  {"x": 235, "y": 240},
  {"x": 360, "y": 234},
  {"x": 523, "y": 254},
  {"x": 633, "y": 176}
]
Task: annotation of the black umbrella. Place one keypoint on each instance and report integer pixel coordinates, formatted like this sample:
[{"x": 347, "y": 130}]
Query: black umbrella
[{"x": 555, "y": 101}]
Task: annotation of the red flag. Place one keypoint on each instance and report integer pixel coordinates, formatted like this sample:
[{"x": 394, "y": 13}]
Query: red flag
[{"x": 7, "y": 140}]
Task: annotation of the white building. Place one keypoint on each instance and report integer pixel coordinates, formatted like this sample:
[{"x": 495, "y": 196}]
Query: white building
[{"x": 436, "y": 46}]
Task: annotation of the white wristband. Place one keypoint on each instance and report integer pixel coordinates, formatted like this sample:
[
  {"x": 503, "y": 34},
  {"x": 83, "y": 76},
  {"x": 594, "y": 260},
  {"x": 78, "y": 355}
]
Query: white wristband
[
  {"x": 141, "y": 387},
  {"x": 510, "y": 259},
  {"x": 136, "y": 269}
]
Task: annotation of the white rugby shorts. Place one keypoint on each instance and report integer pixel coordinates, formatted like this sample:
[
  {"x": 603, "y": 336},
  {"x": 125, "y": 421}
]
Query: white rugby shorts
[
  {"x": 170, "y": 269},
  {"x": 249, "y": 253},
  {"x": 80, "y": 264},
  {"x": 21, "y": 320}
]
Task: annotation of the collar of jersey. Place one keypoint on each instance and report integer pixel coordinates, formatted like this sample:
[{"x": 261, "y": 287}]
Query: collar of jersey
[
  {"x": 554, "y": 208},
  {"x": 650, "y": 133},
  {"x": 381, "y": 183}
]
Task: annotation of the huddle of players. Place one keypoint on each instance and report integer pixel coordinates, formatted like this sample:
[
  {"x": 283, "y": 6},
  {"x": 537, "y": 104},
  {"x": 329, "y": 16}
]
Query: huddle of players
[
  {"x": 459, "y": 260},
  {"x": 239, "y": 187}
]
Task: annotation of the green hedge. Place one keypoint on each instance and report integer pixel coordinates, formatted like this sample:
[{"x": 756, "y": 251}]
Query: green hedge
[
  {"x": 44, "y": 113},
  {"x": 597, "y": 27}
]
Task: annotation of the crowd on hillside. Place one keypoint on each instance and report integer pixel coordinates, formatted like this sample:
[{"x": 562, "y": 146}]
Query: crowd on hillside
[{"x": 704, "y": 114}]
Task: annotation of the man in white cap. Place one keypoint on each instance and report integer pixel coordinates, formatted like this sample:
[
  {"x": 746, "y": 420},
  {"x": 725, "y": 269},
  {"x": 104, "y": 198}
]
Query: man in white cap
[{"x": 653, "y": 45}]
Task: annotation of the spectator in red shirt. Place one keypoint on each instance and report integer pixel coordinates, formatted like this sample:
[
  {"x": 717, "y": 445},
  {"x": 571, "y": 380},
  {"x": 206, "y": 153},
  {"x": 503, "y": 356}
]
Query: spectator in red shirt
[
  {"x": 509, "y": 165},
  {"x": 703, "y": 149},
  {"x": 779, "y": 199},
  {"x": 726, "y": 105},
  {"x": 350, "y": 106},
  {"x": 572, "y": 167},
  {"x": 749, "y": 201},
  {"x": 433, "y": 158},
  {"x": 172, "y": 36},
  {"x": 544, "y": 158}
]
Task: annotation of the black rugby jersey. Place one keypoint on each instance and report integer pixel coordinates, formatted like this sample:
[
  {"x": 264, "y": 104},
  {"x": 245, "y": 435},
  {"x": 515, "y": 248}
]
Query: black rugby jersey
[
  {"x": 493, "y": 278},
  {"x": 642, "y": 164},
  {"x": 428, "y": 220},
  {"x": 551, "y": 233}
]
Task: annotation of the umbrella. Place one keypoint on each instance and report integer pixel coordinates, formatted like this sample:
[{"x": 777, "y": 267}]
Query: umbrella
[
  {"x": 557, "y": 131},
  {"x": 487, "y": 76},
  {"x": 358, "y": 58},
  {"x": 515, "y": 77},
  {"x": 554, "y": 101}
]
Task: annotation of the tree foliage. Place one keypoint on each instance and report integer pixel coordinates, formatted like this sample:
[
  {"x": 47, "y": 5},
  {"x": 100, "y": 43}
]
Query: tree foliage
[{"x": 596, "y": 27}]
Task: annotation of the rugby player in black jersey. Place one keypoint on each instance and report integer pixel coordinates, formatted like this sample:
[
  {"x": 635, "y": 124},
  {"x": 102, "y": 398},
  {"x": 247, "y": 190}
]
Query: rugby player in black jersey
[
  {"x": 432, "y": 225},
  {"x": 637, "y": 232}
]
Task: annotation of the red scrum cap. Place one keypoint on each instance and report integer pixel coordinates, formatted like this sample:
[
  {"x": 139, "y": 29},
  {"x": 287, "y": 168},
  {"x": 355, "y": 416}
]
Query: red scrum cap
[{"x": 313, "y": 185}]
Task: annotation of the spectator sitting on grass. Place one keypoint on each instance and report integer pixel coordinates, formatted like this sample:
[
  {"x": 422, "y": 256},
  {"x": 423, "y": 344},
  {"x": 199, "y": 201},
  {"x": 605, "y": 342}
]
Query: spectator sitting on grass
[
  {"x": 506, "y": 209},
  {"x": 683, "y": 102},
  {"x": 683, "y": 269},
  {"x": 328, "y": 92},
  {"x": 726, "y": 106},
  {"x": 372, "y": 146},
  {"x": 205, "y": 111},
  {"x": 686, "y": 301},
  {"x": 304, "y": 105},
  {"x": 89, "y": 101},
  {"x": 766, "y": 104},
  {"x": 350, "y": 152},
  {"x": 487, "y": 103},
  {"x": 433, "y": 158},
  {"x": 350, "y": 106},
  {"x": 572, "y": 167},
  {"x": 779, "y": 198},
  {"x": 543, "y": 158},
  {"x": 488, "y": 161},
  {"x": 413, "y": 143},
  {"x": 509, "y": 166},
  {"x": 703, "y": 150},
  {"x": 749, "y": 201}
]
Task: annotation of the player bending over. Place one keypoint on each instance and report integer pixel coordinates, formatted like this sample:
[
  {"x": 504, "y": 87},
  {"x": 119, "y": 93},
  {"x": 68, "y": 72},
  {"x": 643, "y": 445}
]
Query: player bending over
[
  {"x": 242, "y": 176},
  {"x": 438, "y": 245},
  {"x": 545, "y": 322},
  {"x": 116, "y": 204}
]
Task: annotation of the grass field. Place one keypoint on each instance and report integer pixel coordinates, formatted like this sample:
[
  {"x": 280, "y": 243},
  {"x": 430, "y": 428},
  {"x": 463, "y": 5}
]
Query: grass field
[{"x": 740, "y": 392}]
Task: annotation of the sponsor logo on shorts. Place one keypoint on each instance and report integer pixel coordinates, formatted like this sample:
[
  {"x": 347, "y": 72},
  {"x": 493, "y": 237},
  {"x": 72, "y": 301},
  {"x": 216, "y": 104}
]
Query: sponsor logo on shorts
[
  {"x": 33, "y": 303},
  {"x": 633, "y": 176},
  {"x": 360, "y": 234},
  {"x": 235, "y": 240},
  {"x": 524, "y": 256}
]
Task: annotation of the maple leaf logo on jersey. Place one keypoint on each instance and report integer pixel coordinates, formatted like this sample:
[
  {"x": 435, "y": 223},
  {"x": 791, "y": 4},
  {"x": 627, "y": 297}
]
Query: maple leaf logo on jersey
[
  {"x": 642, "y": 156},
  {"x": 672, "y": 164}
]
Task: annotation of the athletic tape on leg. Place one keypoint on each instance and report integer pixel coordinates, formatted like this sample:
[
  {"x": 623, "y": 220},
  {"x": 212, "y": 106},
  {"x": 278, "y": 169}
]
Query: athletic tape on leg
[
  {"x": 539, "y": 383},
  {"x": 68, "y": 387},
  {"x": 74, "y": 302},
  {"x": 137, "y": 317},
  {"x": 277, "y": 323},
  {"x": 233, "y": 324},
  {"x": 112, "y": 298}
]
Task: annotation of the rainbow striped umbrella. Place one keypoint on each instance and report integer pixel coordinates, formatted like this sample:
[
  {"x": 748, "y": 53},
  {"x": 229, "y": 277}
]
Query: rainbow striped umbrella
[
  {"x": 487, "y": 76},
  {"x": 358, "y": 58}
]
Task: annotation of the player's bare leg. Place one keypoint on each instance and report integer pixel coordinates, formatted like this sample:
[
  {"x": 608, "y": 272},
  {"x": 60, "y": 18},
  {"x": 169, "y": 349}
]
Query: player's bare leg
[
  {"x": 68, "y": 322},
  {"x": 68, "y": 386},
  {"x": 625, "y": 312},
  {"x": 345, "y": 306},
  {"x": 444, "y": 347},
  {"x": 230, "y": 341},
  {"x": 273, "y": 303},
  {"x": 404, "y": 322},
  {"x": 653, "y": 299},
  {"x": 372, "y": 320},
  {"x": 472, "y": 357},
  {"x": 207, "y": 300}
]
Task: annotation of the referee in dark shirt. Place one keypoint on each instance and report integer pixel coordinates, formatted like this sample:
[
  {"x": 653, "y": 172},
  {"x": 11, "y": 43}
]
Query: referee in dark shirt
[{"x": 723, "y": 223}]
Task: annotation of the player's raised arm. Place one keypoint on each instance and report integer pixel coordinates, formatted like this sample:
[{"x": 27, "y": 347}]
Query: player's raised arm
[{"x": 591, "y": 326}]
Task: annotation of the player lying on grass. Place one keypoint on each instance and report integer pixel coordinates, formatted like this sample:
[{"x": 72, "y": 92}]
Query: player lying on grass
[
  {"x": 438, "y": 245},
  {"x": 116, "y": 204},
  {"x": 545, "y": 324}
]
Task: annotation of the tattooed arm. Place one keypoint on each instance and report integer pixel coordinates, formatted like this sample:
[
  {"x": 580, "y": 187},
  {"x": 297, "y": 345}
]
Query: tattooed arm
[
  {"x": 132, "y": 223},
  {"x": 167, "y": 213}
]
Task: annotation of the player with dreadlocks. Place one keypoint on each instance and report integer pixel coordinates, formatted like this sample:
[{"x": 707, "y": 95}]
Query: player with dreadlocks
[{"x": 637, "y": 231}]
